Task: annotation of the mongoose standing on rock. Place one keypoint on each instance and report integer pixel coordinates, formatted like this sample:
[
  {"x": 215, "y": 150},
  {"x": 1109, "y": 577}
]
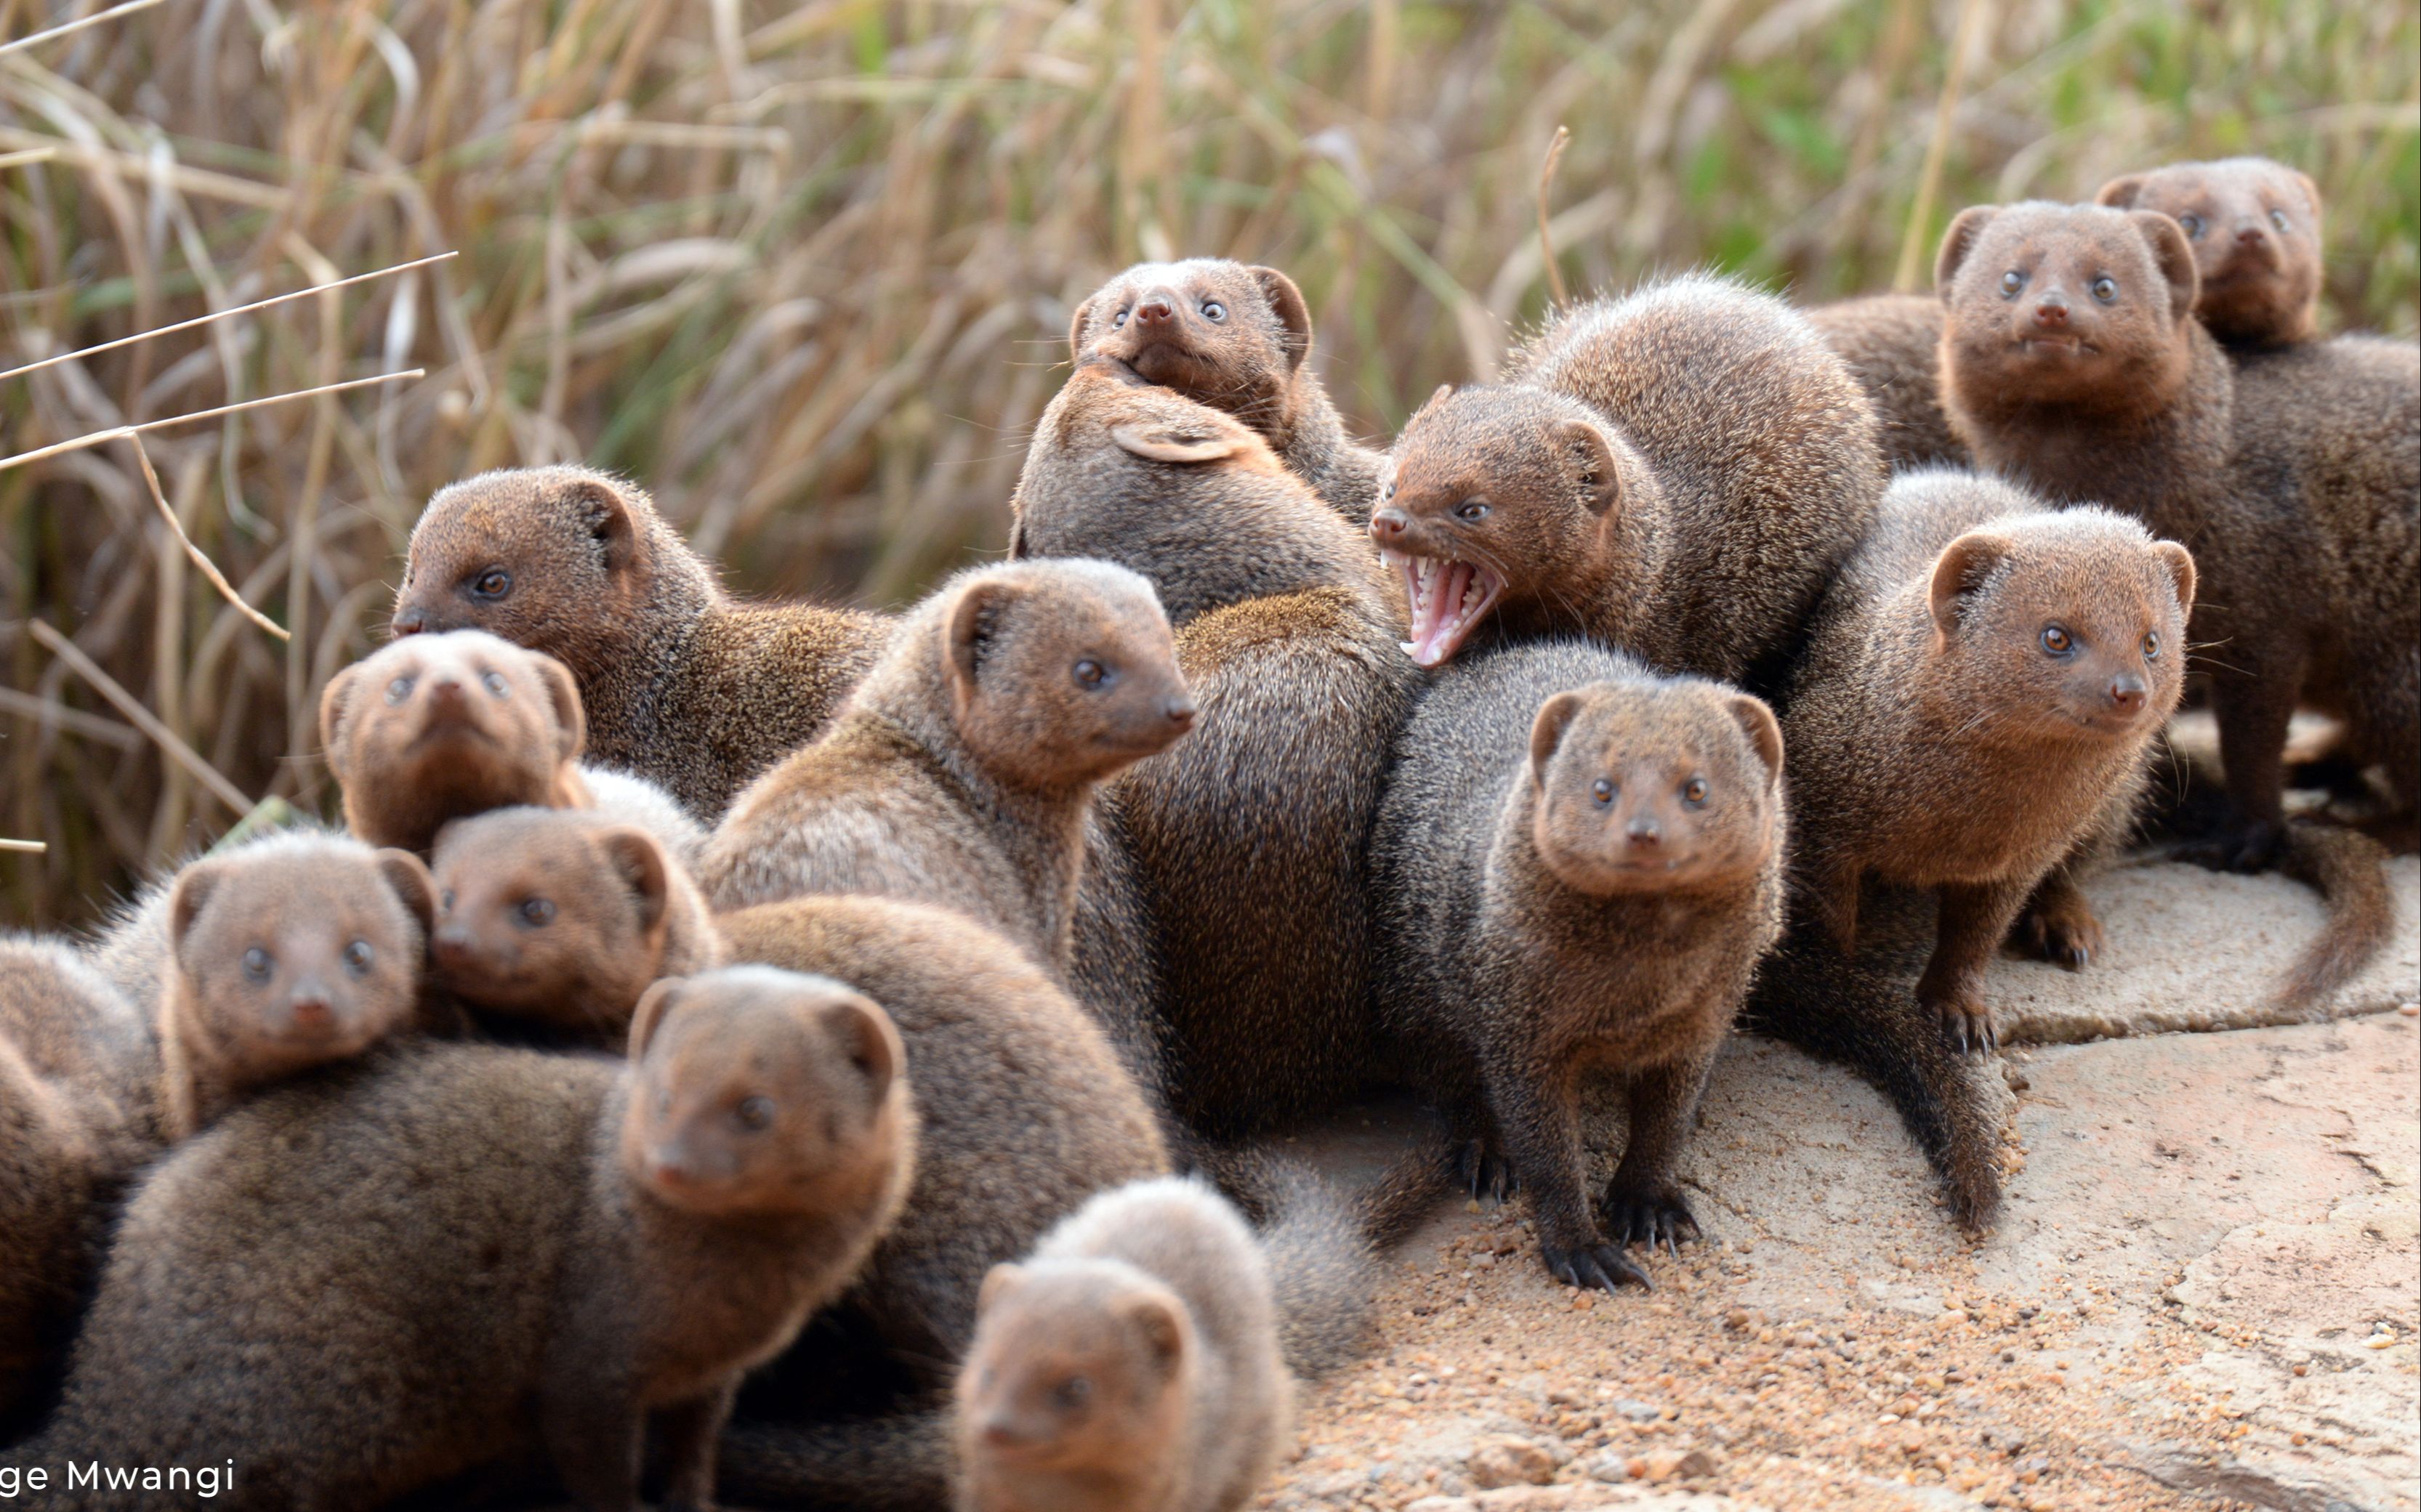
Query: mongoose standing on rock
[
  {"x": 563, "y": 918},
  {"x": 683, "y": 685},
  {"x": 447, "y": 1256},
  {"x": 1893, "y": 344},
  {"x": 1988, "y": 679},
  {"x": 1580, "y": 862},
  {"x": 2255, "y": 228},
  {"x": 963, "y": 768},
  {"x": 1129, "y": 1365},
  {"x": 1677, "y": 473},
  {"x": 1237, "y": 338}
]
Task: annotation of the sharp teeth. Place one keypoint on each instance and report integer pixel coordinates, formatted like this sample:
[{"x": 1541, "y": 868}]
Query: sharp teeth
[
  {"x": 1389, "y": 556},
  {"x": 1406, "y": 646}
]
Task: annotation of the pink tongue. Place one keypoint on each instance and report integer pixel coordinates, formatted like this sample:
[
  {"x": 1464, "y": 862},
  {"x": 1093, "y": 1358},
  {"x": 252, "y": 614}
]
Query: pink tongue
[{"x": 1438, "y": 627}]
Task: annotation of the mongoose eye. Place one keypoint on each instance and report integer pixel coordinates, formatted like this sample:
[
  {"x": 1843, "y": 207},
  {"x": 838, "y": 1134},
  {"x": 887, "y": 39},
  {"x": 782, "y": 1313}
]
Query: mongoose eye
[
  {"x": 2278, "y": 219},
  {"x": 1091, "y": 673},
  {"x": 1601, "y": 792},
  {"x": 2012, "y": 281},
  {"x": 754, "y": 1113},
  {"x": 1119, "y": 321},
  {"x": 358, "y": 957},
  {"x": 1213, "y": 311},
  {"x": 1470, "y": 511},
  {"x": 2057, "y": 641},
  {"x": 446, "y": 901},
  {"x": 256, "y": 964},
  {"x": 1074, "y": 1392},
  {"x": 2193, "y": 224},
  {"x": 399, "y": 690},
  {"x": 1694, "y": 792},
  {"x": 537, "y": 911},
  {"x": 495, "y": 684},
  {"x": 2152, "y": 646},
  {"x": 493, "y": 583},
  {"x": 2105, "y": 288},
  {"x": 1388, "y": 490}
]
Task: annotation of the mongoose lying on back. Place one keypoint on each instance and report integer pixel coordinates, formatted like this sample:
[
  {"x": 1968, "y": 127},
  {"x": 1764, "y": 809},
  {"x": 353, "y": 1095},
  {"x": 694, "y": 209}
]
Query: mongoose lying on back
[
  {"x": 1893, "y": 344},
  {"x": 1129, "y": 1365},
  {"x": 296, "y": 950},
  {"x": 2072, "y": 364},
  {"x": 446, "y": 1254},
  {"x": 1986, "y": 678},
  {"x": 2255, "y": 228},
  {"x": 1030, "y": 1115},
  {"x": 562, "y": 918},
  {"x": 964, "y": 766},
  {"x": 1237, "y": 338},
  {"x": 1677, "y": 473},
  {"x": 682, "y": 684},
  {"x": 1580, "y": 862}
]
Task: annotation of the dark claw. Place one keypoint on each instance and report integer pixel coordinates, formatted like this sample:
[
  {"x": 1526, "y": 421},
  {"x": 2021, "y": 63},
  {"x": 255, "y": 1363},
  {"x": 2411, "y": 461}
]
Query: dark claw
[
  {"x": 2248, "y": 848},
  {"x": 1485, "y": 1173},
  {"x": 1651, "y": 1220},
  {"x": 1602, "y": 1266}
]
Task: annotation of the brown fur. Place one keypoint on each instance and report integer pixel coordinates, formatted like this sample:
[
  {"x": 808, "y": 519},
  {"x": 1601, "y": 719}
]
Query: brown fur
[
  {"x": 563, "y": 918},
  {"x": 439, "y": 727},
  {"x": 1580, "y": 863},
  {"x": 1893, "y": 344},
  {"x": 1237, "y": 338},
  {"x": 1674, "y": 473},
  {"x": 1129, "y": 1365},
  {"x": 2255, "y": 228},
  {"x": 448, "y": 1254},
  {"x": 964, "y": 766},
  {"x": 288, "y": 954},
  {"x": 1942, "y": 740},
  {"x": 682, "y": 684}
]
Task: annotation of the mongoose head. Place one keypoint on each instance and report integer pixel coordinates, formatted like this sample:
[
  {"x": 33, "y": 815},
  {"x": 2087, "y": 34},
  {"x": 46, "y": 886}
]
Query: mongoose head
[
  {"x": 2059, "y": 625},
  {"x": 757, "y": 1091},
  {"x": 1220, "y": 332},
  {"x": 436, "y": 726},
  {"x": 1076, "y": 1365},
  {"x": 1059, "y": 671},
  {"x": 2077, "y": 306},
  {"x": 560, "y": 559},
  {"x": 295, "y": 952},
  {"x": 1487, "y": 494},
  {"x": 1654, "y": 785},
  {"x": 2254, "y": 228},
  {"x": 546, "y": 912}
]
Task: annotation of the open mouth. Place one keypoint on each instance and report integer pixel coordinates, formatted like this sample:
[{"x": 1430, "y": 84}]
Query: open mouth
[
  {"x": 1448, "y": 599},
  {"x": 2063, "y": 346}
]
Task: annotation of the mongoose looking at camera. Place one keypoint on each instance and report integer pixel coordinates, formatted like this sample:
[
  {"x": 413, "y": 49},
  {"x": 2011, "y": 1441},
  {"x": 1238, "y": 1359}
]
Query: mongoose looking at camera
[{"x": 2255, "y": 228}]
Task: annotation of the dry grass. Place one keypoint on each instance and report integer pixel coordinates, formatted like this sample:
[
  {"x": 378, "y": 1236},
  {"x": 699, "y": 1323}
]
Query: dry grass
[{"x": 806, "y": 269}]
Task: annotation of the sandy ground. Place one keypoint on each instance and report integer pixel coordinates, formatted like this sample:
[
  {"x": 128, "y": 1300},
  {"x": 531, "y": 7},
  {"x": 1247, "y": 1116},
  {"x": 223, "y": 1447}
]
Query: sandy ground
[{"x": 2203, "y": 1292}]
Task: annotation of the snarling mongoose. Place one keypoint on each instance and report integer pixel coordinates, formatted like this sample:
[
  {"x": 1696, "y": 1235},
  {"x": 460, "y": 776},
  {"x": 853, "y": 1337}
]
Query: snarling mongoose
[
  {"x": 2254, "y": 228},
  {"x": 1675, "y": 473},
  {"x": 1237, "y": 338},
  {"x": 448, "y": 1254},
  {"x": 1031, "y": 1114},
  {"x": 1893, "y": 344},
  {"x": 1580, "y": 862},
  {"x": 286, "y": 954},
  {"x": 1129, "y": 1365},
  {"x": 563, "y": 918},
  {"x": 1985, "y": 676},
  {"x": 2072, "y": 364},
  {"x": 683, "y": 684},
  {"x": 962, "y": 770}
]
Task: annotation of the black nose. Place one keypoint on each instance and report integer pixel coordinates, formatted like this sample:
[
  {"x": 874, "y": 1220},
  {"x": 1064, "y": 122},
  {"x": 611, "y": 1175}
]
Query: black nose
[
  {"x": 1179, "y": 711},
  {"x": 2127, "y": 692},
  {"x": 408, "y": 622},
  {"x": 1645, "y": 833},
  {"x": 1388, "y": 522},
  {"x": 1158, "y": 307},
  {"x": 2051, "y": 314}
]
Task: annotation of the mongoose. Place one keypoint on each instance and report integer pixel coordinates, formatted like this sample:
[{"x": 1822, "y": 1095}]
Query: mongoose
[
  {"x": 683, "y": 685},
  {"x": 962, "y": 770},
  {"x": 1129, "y": 1365},
  {"x": 1030, "y": 1115},
  {"x": 286, "y": 954},
  {"x": 1677, "y": 473},
  {"x": 1237, "y": 338},
  {"x": 2255, "y": 228},
  {"x": 1186, "y": 495},
  {"x": 1985, "y": 676},
  {"x": 563, "y": 918},
  {"x": 1893, "y": 344},
  {"x": 1580, "y": 861},
  {"x": 448, "y": 1254},
  {"x": 2071, "y": 363}
]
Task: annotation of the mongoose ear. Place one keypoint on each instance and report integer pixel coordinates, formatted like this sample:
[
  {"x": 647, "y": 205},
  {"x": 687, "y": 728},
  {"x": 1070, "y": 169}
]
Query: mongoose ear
[
  {"x": 998, "y": 1281},
  {"x": 1959, "y": 570},
  {"x": 1438, "y": 397},
  {"x": 1172, "y": 443},
  {"x": 1076, "y": 329},
  {"x": 2312, "y": 195},
  {"x": 2122, "y": 192},
  {"x": 1547, "y": 732},
  {"x": 1764, "y": 732},
  {"x": 649, "y": 1015},
  {"x": 974, "y": 619},
  {"x": 336, "y": 708},
  {"x": 2167, "y": 239},
  {"x": 1155, "y": 1322},
  {"x": 193, "y": 889},
  {"x": 865, "y": 1035},
  {"x": 1591, "y": 457},
  {"x": 571, "y": 719},
  {"x": 1017, "y": 536},
  {"x": 606, "y": 515},
  {"x": 407, "y": 876},
  {"x": 635, "y": 857},
  {"x": 1957, "y": 242},
  {"x": 2181, "y": 570},
  {"x": 1294, "y": 317}
]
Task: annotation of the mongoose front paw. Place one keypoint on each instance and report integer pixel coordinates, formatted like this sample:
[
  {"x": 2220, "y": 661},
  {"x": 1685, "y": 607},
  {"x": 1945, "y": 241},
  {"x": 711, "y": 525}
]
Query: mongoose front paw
[
  {"x": 2064, "y": 932},
  {"x": 1486, "y": 1172},
  {"x": 2250, "y": 845},
  {"x": 1593, "y": 1264},
  {"x": 1650, "y": 1216},
  {"x": 1967, "y": 1024}
]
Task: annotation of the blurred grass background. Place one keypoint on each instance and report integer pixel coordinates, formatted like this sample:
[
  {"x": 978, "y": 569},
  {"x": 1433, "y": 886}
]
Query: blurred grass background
[{"x": 805, "y": 269}]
